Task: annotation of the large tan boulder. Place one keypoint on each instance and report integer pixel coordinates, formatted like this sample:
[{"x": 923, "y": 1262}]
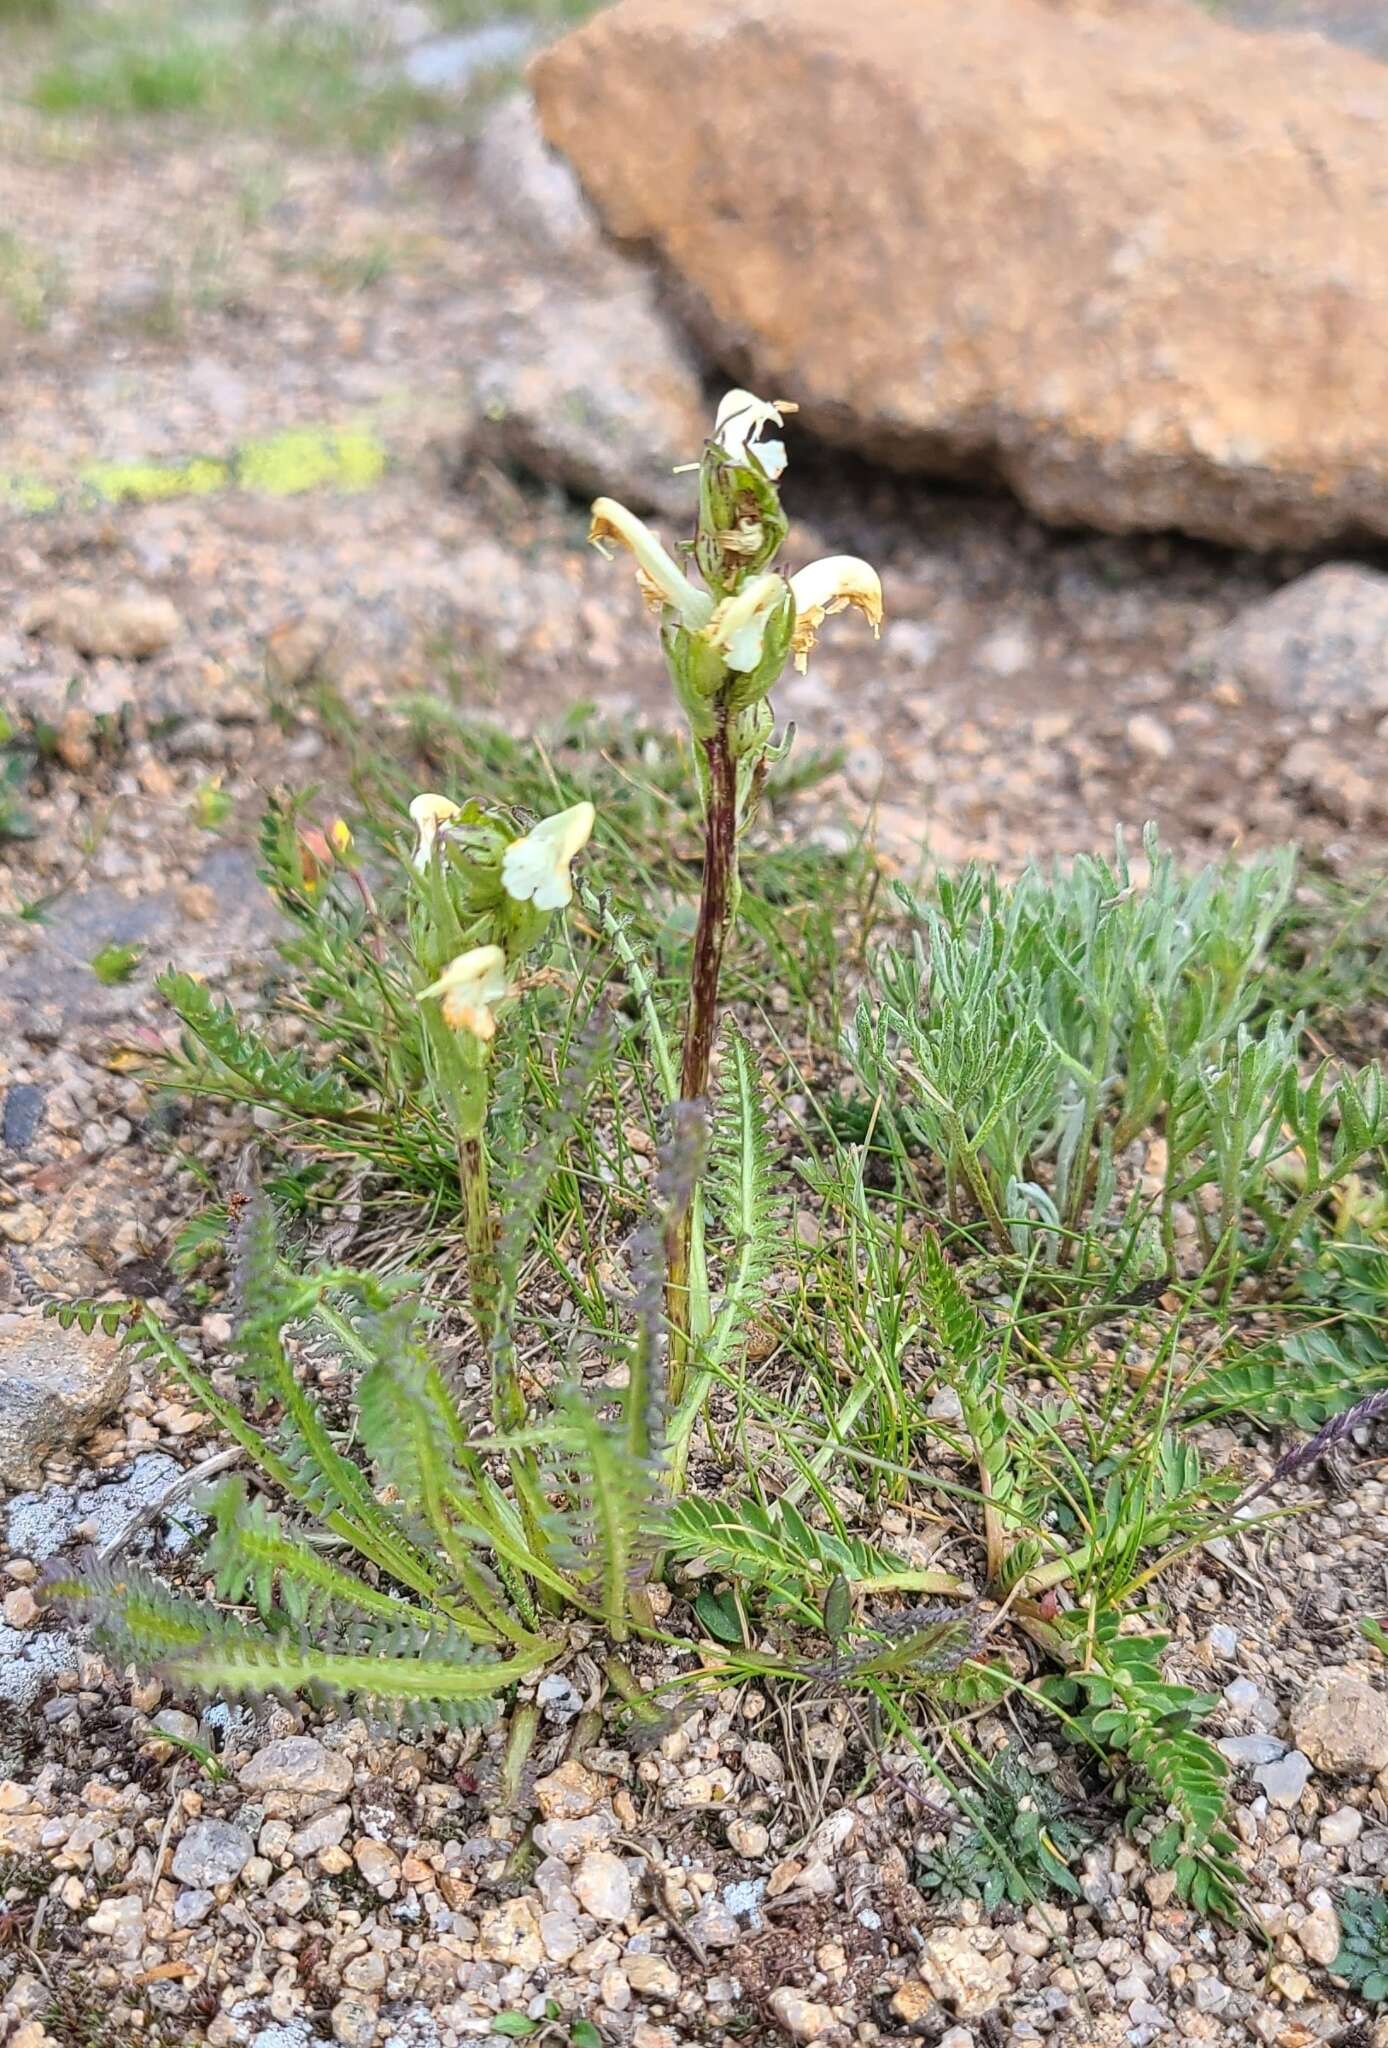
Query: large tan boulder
[{"x": 1125, "y": 257}]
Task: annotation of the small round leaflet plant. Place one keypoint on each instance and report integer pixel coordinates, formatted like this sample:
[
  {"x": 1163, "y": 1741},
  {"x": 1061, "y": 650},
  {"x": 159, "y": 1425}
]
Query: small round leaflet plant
[{"x": 726, "y": 646}]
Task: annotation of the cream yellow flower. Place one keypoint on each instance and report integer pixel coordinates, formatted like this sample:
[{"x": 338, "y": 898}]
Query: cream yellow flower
[
  {"x": 830, "y": 586},
  {"x": 429, "y": 813},
  {"x": 660, "y": 576},
  {"x": 469, "y": 989},
  {"x": 741, "y": 421},
  {"x": 739, "y": 624},
  {"x": 536, "y": 869}
]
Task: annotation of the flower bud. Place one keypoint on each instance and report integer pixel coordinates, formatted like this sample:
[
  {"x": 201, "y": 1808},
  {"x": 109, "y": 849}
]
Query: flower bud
[
  {"x": 749, "y": 729},
  {"x": 697, "y": 671}
]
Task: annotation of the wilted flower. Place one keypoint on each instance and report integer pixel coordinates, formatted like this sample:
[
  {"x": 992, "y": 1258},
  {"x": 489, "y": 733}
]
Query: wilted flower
[
  {"x": 660, "y": 576},
  {"x": 741, "y": 421},
  {"x": 315, "y": 858},
  {"x": 829, "y": 586},
  {"x": 536, "y": 869},
  {"x": 429, "y": 813},
  {"x": 469, "y": 989}
]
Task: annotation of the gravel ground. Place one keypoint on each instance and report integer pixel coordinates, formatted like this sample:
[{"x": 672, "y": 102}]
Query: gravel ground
[{"x": 1031, "y": 693}]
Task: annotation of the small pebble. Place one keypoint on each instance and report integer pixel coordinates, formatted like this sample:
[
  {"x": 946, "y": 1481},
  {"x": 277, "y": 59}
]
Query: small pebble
[
  {"x": 1340, "y": 1828},
  {"x": 1285, "y": 1780}
]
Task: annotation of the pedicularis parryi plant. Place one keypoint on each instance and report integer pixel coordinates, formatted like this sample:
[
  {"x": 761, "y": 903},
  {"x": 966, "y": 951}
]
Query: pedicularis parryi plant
[{"x": 726, "y": 645}]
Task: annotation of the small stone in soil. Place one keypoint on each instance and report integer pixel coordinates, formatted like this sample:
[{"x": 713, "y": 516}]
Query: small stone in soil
[
  {"x": 1286, "y": 1779},
  {"x": 602, "y": 1886},
  {"x": 191, "y": 1908},
  {"x": 300, "y": 1764},
  {"x": 571, "y": 1792},
  {"x": 803, "y": 2018},
  {"x": 212, "y": 1852},
  {"x": 1340, "y": 1828},
  {"x": 1341, "y": 1721},
  {"x": 1248, "y": 1750},
  {"x": 558, "y": 1698},
  {"x": 22, "y": 1114}
]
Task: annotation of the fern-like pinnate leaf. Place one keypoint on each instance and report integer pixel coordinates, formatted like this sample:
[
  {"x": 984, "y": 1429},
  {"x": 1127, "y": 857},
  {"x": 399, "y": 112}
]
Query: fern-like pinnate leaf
[
  {"x": 774, "y": 1547},
  {"x": 401, "y": 1610},
  {"x": 1335, "y": 1359},
  {"x": 308, "y": 1462},
  {"x": 605, "y": 1524},
  {"x": 410, "y": 1432},
  {"x": 405, "y": 1573},
  {"x": 972, "y": 1365},
  {"x": 227, "y": 1059},
  {"x": 1299, "y": 1384},
  {"x": 919, "y": 1643},
  {"x": 255, "y": 1556},
  {"x": 395, "y": 1667},
  {"x": 112, "y": 1318}
]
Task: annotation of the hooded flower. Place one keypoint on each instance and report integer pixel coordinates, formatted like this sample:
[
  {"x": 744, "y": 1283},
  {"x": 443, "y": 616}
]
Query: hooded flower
[
  {"x": 741, "y": 421},
  {"x": 429, "y": 813},
  {"x": 738, "y": 626},
  {"x": 536, "y": 869},
  {"x": 830, "y": 586},
  {"x": 660, "y": 576},
  {"x": 469, "y": 989}
]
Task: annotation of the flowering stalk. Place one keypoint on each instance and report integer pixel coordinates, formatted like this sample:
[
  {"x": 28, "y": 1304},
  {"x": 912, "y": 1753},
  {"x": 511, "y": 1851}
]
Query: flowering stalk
[
  {"x": 484, "y": 895},
  {"x": 716, "y": 907},
  {"x": 725, "y": 647}
]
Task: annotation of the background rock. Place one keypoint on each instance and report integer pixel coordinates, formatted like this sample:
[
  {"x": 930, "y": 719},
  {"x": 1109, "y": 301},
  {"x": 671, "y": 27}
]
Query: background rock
[
  {"x": 1130, "y": 259},
  {"x": 455, "y": 63},
  {"x": 56, "y": 1385},
  {"x": 582, "y": 381},
  {"x": 528, "y": 189},
  {"x": 128, "y": 628},
  {"x": 229, "y": 916},
  {"x": 1318, "y": 644}
]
